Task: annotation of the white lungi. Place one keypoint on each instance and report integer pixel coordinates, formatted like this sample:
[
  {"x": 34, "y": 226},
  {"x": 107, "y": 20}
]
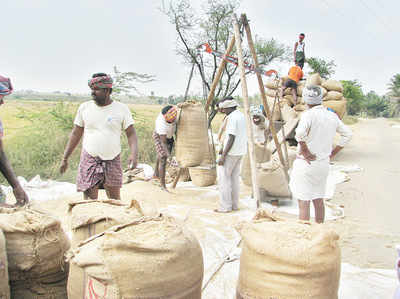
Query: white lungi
[
  {"x": 229, "y": 183},
  {"x": 308, "y": 181}
]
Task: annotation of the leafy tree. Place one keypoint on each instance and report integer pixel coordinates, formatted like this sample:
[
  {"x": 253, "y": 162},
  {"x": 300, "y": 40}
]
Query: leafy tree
[
  {"x": 213, "y": 25},
  {"x": 394, "y": 95},
  {"x": 125, "y": 82},
  {"x": 375, "y": 105},
  {"x": 355, "y": 97},
  {"x": 324, "y": 68}
]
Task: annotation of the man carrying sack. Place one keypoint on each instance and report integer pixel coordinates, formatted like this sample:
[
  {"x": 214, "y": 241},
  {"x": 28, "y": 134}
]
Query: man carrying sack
[
  {"x": 315, "y": 133},
  {"x": 235, "y": 147},
  {"x": 5, "y": 166},
  {"x": 163, "y": 137},
  {"x": 100, "y": 122}
]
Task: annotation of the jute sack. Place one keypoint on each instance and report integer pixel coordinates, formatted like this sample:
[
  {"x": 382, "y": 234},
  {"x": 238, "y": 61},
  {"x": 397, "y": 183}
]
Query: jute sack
[
  {"x": 270, "y": 92},
  {"x": 272, "y": 84},
  {"x": 36, "y": 245},
  {"x": 154, "y": 257},
  {"x": 300, "y": 88},
  {"x": 191, "y": 134},
  {"x": 300, "y": 107},
  {"x": 91, "y": 217},
  {"x": 324, "y": 92},
  {"x": 273, "y": 106},
  {"x": 288, "y": 113},
  {"x": 314, "y": 79},
  {"x": 338, "y": 106},
  {"x": 262, "y": 155},
  {"x": 333, "y": 85},
  {"x": 333, "y": 96},
  {"x": 288, "y": 91},
  {"x": 287, "y": 259},
  {"x": 208, "y": 175},
  {"x": 4, "y": 286},
  {"x": 289, "y": 99},
  {"x": 271, "y": 177}
]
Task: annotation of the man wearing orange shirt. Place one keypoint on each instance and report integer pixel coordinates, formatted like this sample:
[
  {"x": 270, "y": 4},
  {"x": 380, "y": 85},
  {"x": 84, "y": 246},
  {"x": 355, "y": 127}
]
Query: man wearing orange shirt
[{"x": 295, "y": 75}]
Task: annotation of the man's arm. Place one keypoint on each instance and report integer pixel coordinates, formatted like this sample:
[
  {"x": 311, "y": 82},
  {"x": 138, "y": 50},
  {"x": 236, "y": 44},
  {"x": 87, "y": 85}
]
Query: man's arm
[
  {"x": 345, "y": 134},
  {"x": 133, "y": 145},
  {"x": 8, "y": 172},
  {"x": 229, "y": 144},
  {"x": 73, "y": 141}
]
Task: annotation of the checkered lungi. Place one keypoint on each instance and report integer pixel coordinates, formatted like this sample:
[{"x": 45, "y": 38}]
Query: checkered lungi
[
  {"x": 96, "y": 172},
  {"x": 161, "y": 152}
]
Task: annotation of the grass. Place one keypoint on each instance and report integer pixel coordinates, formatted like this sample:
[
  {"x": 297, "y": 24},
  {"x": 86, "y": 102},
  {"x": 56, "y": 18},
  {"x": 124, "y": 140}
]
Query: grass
[{"x": 350, "y": 120}]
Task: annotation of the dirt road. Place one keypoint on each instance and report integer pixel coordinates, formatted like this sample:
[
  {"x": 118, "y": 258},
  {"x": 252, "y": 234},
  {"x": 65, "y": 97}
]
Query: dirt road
[{"x": 371, "y": 198}]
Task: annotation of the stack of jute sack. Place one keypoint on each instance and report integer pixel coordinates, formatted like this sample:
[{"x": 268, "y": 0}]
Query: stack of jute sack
[
  {"x": 35, "y": 245},
  {"x": 284, "y": 258},
  {"x": 192, "y": 143},
  {"x": 332, "y": 93},
  {"x": 149, "y": 257},
  {"x": 4, "y": 286}
]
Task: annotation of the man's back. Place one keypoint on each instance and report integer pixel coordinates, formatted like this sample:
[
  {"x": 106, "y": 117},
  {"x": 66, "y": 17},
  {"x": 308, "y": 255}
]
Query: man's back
[
  {"x": 295, "y": 73},
  {"x": 236, "y": 125}
]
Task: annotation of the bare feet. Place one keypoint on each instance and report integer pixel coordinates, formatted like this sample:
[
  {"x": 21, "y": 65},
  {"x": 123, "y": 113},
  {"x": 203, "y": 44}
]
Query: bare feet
[
  {"x": 163, "y": 188},
  {"x": 219, "y": 211}
]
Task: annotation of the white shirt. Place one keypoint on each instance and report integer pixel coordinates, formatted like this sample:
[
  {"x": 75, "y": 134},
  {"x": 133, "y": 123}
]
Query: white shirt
[
  {"x": 259, "y": 131},
  {"x": 165, "y": 128},
  {"x": 236, "y": 125},
  {"x": 103, "y": 127},
  {"x": 318, "y": 127}
]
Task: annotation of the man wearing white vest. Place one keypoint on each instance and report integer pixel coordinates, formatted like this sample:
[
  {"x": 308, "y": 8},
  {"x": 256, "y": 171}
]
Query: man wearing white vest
[{"x": 235, "y": 147}]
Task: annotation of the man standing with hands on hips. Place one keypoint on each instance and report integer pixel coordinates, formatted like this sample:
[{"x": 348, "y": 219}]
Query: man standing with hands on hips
[
  {"x": 101, "y": 122},
  {"x": 235, "y": 147}
]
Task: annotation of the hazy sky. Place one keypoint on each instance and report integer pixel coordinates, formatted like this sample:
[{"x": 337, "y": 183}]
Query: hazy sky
[{"x": 50, "y": 45}]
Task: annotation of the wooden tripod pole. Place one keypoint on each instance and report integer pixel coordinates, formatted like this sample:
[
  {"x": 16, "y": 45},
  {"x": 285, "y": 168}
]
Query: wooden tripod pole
[
  {"x": 263, "y": 96},
  {"x": 256, "y": 190},
  {"x": 219, "y": 74}
]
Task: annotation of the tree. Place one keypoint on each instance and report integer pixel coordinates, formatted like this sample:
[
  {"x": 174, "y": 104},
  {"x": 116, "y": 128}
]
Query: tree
[
  {"x": 355, "y": 98},
  {"x": 125, "y": 82},
  {"x": 324, "y": 68},
  {"x": 375, "y": 105},
  {"x": 213, "y": 25},
  {"x": 394, "y": 95}
]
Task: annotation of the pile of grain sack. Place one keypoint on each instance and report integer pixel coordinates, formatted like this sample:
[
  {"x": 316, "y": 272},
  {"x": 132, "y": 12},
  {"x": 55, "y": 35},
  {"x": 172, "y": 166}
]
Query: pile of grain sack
[
  {"x": 193, "y": 147},
  {"x": 332, "y": 89},
  {"x": 284, "y": 258}
]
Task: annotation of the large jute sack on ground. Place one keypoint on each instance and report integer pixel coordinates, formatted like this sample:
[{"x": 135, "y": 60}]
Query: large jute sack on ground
[
  {"x": 270, "y": 92},
  {"x": 271, "y": 177},
  {"x": 333, "y": 85},
  {"x": 262, "y": 155},
  {"x": 292, "y": 154},
  {"x": 287, "y": 259},
  {"x": 203, "y": 177},
  {"x": 4, "y": 286},
  {"x": 288, "y": 113},
  {"x": 333, "y": 96},
  {"x": 191, "y": 134},
  {"x": 272, "y": 84},
  {"x": 36, "y": 245},
  {"x": 154, "y": 257},
  {"x": 314, "y": 79},
  {"x": 338, "y": 106},
  {"x": 273, "y": 106},
  {"x": 91, "y": 217}
]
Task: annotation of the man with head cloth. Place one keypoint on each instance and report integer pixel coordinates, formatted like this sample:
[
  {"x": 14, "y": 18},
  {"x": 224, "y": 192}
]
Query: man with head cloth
[
  {"x": 5, "y": 166},
  {"x": 234, "y": 148},
  {"x": 315, "y": 133},
  {"x": 100, "y": 122}
]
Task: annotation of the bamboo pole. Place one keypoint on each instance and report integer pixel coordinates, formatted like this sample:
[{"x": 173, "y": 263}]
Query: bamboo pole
[
  {"x": 219, "y": 74},
  {"x": 263, "y": 96},
  {"x": 188, "y": 84},
  {"x": 256, "y": 190}
]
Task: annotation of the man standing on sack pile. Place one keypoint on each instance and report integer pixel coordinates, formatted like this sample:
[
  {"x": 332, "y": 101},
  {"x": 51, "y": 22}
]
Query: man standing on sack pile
[
  {"x": 5, "y": 166},
  {"x": 315, "y": 133},
  {"x": 163, "y": 137},
  {"x": 100, "y": 122},
  {"x": 295, "y": 75},
  {"x": 299, "y": 51},
  {"x": 235, "y": 147}
]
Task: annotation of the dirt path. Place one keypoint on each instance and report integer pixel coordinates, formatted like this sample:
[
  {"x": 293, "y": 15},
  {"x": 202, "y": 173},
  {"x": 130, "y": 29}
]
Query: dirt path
[{"x": 371, "y": 198}]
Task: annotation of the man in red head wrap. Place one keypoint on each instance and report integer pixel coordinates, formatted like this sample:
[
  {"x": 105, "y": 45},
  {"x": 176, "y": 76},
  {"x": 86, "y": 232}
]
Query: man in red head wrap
[{"x": 100, "y": 123}]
